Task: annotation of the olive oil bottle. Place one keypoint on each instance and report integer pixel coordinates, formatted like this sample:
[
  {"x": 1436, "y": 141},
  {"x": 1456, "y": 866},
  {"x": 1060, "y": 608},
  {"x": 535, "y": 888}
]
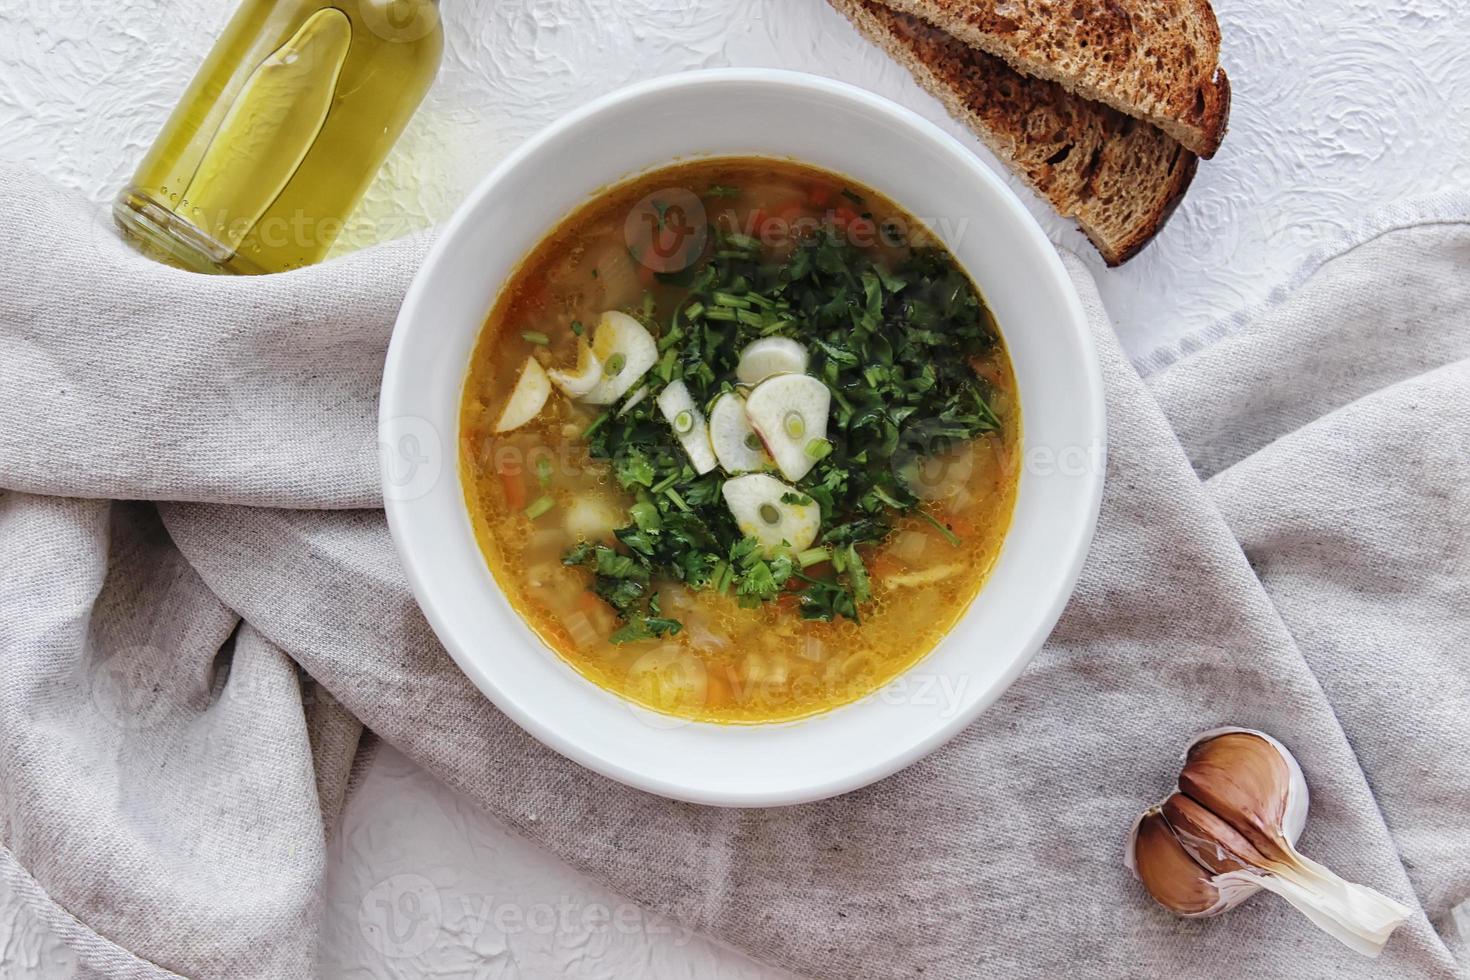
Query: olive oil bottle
[{"x": 281, "y": 132}]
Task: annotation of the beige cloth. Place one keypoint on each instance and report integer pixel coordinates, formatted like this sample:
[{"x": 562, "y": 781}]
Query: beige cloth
[{"x": 181, "y": 683}]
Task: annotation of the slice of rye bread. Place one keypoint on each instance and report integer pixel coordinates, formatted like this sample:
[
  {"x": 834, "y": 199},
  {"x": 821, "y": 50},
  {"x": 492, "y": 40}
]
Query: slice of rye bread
[
  {"x": 1157, "y": 60},
  {"x": 1118, "y": 178}
]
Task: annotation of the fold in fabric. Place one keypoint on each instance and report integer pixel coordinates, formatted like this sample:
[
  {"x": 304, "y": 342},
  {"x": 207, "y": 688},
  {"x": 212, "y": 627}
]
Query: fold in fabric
[
  {"x": 187, "y": 832},
  {"x": 1337, "y": 432},
  {"x": 128, "y": 379}
]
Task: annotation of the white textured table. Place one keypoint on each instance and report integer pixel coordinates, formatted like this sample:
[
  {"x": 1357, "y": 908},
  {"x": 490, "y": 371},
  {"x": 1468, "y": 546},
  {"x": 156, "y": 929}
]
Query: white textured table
[{"x": 1340, "y": 106}]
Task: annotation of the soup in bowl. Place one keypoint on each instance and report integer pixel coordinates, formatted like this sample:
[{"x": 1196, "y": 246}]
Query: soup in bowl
[
  {"x": 725, "y": 438},
  {"x": 739, "y": 440}
]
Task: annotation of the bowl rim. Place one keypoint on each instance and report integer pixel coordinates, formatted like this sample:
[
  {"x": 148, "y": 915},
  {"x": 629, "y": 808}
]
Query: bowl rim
[{"x": 1069, "y": 570}]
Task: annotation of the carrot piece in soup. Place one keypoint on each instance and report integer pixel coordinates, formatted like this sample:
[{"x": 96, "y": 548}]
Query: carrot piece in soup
[
  {"x": 863, "y": 232},
  {"x": 514, "y": 485},
  {"x": 717, "y": 692},
  {"x": 883, "y": 565},
  {"x": 729, "y": 680},
  {"x": 960, "y": 525}
]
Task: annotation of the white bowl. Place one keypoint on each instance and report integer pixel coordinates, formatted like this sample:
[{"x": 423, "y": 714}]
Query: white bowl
[{"x": 841, "y": 128}]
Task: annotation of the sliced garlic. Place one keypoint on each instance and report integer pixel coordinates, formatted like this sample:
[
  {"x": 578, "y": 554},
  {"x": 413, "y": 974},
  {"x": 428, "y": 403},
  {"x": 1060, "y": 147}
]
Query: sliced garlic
[
  {"x": 1242, "y": 803},
  {"x": 527, "y": 398},
  {"x": 768, "y": 357},
  {"x": 789, "y": 413},
  {"x": 689, "y": 426},
  {"x": 736, "y": 445},
  {"x": 576, "y": 384},
  {"x": 755, "y": 503},
  {"x": 627, "y": 350},
  {"x": 632, "y": 400}
]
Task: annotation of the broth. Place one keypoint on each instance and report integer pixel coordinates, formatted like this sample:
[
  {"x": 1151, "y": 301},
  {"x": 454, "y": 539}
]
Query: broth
[{"x": 694, "y": 648}]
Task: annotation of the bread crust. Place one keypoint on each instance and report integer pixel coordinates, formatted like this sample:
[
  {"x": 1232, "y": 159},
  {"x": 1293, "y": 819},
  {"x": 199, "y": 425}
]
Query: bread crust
[
  {"x": 1150, "y": 221},
  {"x": 1120, "y": 179},
  {"x": 1155, "y": 60}
]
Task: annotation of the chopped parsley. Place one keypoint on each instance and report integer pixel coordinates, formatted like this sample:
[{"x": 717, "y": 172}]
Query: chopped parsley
[{"x": 894, "y": 346}]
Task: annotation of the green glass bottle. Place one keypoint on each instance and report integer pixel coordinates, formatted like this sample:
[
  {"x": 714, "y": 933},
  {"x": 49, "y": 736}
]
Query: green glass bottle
[{"x": 281, "y": 132}]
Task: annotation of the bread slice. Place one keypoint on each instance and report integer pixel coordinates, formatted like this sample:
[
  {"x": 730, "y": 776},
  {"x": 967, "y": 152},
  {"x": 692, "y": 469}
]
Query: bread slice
[
  {"x": 1156, "y": 60},
  {"x": 1119, "y": 178}
]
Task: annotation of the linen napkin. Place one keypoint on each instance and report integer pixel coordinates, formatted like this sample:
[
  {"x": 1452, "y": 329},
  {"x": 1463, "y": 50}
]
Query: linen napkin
[{"x": 182, "y": 682}]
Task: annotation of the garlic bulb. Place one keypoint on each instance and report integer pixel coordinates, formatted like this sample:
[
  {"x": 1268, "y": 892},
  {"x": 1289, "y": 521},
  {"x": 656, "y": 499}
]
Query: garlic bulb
[{"x": 1231, "y": 830}]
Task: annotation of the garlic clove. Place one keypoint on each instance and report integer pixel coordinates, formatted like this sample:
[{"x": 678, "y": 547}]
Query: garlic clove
[
  {"x": 768, "y": 357},
  {"x": 766, "y": 509},
  {"x": 1243, "y": 780},
  {"x": 789, "y": 412},
  {"x": 689, "y": 425},
  {"x": 526, "y": 399},
  {"x": 1298, "y": 799},
  {"x": 1174, "y": 879},
  {"x": 577, "y": 383},
  {"x": 736, "y": 445},
  {"x": 1208, "y": 839},
  {"x": 626, "y": 351}
]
